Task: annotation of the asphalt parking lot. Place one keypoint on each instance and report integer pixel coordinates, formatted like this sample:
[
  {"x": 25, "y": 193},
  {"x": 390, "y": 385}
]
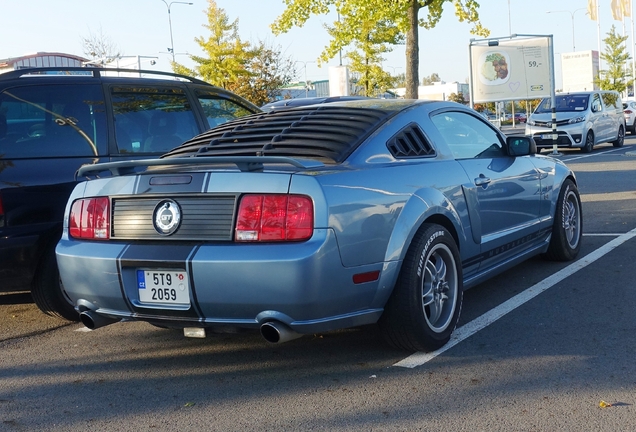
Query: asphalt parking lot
[{"x": 539, "y": 347}]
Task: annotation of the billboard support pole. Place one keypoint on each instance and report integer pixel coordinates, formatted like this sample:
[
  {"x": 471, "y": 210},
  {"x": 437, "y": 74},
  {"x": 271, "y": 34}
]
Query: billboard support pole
[{"x": 555, "y": 136}]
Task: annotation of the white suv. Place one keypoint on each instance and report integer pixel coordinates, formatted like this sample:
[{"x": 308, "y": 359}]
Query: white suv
[{"x": 583, "y": 120}]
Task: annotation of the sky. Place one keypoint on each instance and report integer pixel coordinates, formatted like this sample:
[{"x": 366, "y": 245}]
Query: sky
[{"x": 141, "y": 28}]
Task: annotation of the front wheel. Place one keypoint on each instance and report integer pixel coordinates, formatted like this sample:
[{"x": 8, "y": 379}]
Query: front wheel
[
  {"x": 589, "y": 143},
  {"x": 568, "y": 225},
  {"x": 424, "y": 307}
]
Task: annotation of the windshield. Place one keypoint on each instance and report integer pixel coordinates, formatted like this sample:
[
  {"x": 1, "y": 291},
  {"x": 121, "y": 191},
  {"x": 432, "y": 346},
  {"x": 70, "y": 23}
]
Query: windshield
[{"x": 565, "y": 103}]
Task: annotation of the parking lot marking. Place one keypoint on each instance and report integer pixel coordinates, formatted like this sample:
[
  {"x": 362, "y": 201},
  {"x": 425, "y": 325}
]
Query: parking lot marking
[
  {"x": 511, "y": 304},
  {"x": 593, "y": 154}
]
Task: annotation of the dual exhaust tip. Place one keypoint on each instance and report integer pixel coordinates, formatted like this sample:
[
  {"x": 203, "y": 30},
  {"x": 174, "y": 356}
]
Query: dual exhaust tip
[{"x": 272, "y": 331}]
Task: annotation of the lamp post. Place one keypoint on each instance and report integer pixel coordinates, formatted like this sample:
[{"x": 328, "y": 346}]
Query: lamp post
[
  {"x": 305, "y": 67},
  {"x": 572, "y": 16},
  {"x": 168, "y": 5}
]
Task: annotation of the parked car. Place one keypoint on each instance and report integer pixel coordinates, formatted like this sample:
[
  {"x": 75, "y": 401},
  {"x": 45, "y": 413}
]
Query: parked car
[
  {"x": 584, "y": 119},
  {"x": 629, "y": 111},
  {"x": 520, "y": 117},
  {"x": 54, "y": 120},
  {"x": 291, "y": 103},
  {"x": 316, "y": 218}
]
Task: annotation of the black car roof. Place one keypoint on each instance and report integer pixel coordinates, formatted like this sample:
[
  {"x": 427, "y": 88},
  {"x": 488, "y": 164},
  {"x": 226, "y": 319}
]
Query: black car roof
[{"x": 326, "y": 131}]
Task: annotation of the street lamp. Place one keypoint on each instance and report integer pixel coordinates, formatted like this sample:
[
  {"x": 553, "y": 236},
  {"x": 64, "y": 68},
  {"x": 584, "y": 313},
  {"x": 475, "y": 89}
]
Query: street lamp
[
  {"x": 305, "y": 67},
  {"x": 571, "y": 15},
  {"x": 171, "y": 49}
]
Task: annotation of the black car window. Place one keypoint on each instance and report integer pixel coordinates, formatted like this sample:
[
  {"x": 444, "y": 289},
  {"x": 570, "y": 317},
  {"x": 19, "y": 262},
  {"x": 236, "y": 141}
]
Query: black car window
[
  {"x": 467, "y": 136},
  {"x": 217, "y": 111},
  {"x": 53, "y": 121},
  {"x": 151, "y": 120}
]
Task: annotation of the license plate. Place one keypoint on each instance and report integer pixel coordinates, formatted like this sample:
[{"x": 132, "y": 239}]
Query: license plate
[
  {"x": 163, "y": 287},
  {"x": 548, "y": 136}
]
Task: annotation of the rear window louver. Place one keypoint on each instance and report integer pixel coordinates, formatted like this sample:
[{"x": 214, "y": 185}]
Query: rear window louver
[
  {"x": 330, "y": 133},
  {"x": 410, "y": 142}
]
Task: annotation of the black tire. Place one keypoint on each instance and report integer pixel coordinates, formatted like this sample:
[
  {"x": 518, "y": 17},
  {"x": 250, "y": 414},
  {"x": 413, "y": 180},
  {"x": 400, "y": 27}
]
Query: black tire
[
  {"x": 620, "y": 140},
  {"x": 431, "y": 275},
  {"x": 589, "y": 142},
  {"x": 567, "y": 229},
  {"x": 47, "y": 290}
]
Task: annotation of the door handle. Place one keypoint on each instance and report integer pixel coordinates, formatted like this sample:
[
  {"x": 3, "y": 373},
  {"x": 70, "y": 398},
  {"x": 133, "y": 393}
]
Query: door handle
[{"x": 482, "y": 180}]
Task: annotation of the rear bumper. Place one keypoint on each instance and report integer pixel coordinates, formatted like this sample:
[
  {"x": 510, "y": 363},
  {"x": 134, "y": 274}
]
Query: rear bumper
[{"x": 303, "y": 285}]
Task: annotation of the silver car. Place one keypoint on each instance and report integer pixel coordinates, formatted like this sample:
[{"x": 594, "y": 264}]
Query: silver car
[
  {"x": 583, "y": 120},
  {"x": 316, "y": 218},
  {"x": 629, "y": 111}
]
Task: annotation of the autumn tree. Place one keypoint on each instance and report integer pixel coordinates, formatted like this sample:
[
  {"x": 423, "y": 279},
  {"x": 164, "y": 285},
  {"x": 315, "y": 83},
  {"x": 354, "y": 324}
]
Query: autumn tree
[
  {"x": 615, "y": 57},
  {"x": 269, "y": 71},
  {"x": 402, "y": 14},
  {"x": 457, "y": 97},
  {"x": 255, "y": 72}
]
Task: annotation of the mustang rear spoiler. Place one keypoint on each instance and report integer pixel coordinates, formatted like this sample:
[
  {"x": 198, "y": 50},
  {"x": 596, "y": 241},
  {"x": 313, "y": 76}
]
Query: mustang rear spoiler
[{"x": 244, "y": 163}]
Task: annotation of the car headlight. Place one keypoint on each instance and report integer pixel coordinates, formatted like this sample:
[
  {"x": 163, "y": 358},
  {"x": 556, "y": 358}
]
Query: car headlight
[
  {"x": 531, "y": 123},
  {"x": 576, "y": 120}
]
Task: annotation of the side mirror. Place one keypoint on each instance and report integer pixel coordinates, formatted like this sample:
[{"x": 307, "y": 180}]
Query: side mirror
[{"x": 521, "y": 145}]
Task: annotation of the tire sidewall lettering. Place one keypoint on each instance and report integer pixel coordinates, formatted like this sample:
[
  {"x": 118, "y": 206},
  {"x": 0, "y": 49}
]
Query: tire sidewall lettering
[{"x": 425, "y": 249}]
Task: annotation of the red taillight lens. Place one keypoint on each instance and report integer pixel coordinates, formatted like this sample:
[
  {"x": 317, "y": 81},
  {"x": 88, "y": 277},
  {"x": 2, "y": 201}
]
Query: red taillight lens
[
  {"x": 265, "y": 218},
  {"x": 90, "y": 219},
  {"x": 628, "y": 111}
]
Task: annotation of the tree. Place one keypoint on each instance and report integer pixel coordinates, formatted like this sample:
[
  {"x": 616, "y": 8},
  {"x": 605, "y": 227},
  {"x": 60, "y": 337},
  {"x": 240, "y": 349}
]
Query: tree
[
  {"x": 269, "y": 72},
  {"x": 402, "y": 14},
  {"x": 433, "y": 78},
  {"x": 457, "y": 97},
  {"x": 366, "y": 59},
  {"x": 99, "y": 47},
  {"x": 227, "y": 56},
  {"x": 254, "y": 72},
  {"x": 615, "y": 57}
]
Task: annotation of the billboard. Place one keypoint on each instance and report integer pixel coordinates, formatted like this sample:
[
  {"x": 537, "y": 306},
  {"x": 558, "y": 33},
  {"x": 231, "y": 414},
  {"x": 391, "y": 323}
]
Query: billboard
[
  {"x": 579, "y": 70},
  {"x": 511, "y": 69}
]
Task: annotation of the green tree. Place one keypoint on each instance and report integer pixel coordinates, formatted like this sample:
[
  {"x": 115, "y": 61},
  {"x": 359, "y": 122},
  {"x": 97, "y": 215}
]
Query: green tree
[
  {"x": 254, "y": 72},
  {"x": 615, "y": 56},
  {"x": 432, "y": 78},
  {"x": 227, "y": 56},
  {"x": 366, "y": 59},
  {"x": 402, "y": 14}
]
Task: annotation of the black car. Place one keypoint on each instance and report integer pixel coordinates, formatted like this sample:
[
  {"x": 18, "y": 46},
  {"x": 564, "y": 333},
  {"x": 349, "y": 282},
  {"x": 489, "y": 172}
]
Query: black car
[{"x": 55, "y": 120}]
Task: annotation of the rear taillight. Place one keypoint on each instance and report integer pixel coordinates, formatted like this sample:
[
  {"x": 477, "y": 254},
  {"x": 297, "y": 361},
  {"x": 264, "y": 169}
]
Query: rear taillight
[
  {"x": 628, "y": 111},
  {"x": 267, "y": 218},
  {"x": 90, "y": 219}
]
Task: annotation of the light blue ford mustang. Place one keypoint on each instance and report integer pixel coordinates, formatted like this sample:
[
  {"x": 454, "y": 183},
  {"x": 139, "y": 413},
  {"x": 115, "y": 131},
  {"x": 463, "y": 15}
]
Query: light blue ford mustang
[{"x": 316, "y": 218}]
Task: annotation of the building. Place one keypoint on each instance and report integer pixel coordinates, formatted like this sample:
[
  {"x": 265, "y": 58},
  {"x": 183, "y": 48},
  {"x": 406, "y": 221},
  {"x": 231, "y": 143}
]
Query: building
[
  {"x": 41, "y": 59},
  {"x": 440, "y": 90}
]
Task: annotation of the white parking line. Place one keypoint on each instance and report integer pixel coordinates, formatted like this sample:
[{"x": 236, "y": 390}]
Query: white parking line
[
  {"x": 591, "y": 154},
  {"x": 511, "y": 304}
]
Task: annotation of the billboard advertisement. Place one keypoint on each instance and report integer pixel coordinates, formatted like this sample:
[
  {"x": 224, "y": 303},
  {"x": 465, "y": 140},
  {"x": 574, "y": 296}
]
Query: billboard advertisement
[{"x": 511, "y": 69}]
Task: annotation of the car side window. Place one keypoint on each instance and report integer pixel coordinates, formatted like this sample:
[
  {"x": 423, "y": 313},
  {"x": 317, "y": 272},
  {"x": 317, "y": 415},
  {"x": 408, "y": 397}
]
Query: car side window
[
  {"x": 218, "y": 111},
  {"x": 611, "y": 100},
  {"x": 53, "y": 121},
  {"x": 596, "y": 103},
  {"x": 151, "y": 119},
  {"x": 467, "y": 136}
]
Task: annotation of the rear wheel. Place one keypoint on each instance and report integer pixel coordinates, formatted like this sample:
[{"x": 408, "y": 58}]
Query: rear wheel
[
  {"x": 567, "y": 229},
  {"x": 589, "y": 142},
  {"x": 47, "y": 290},
  {"x": 424, "y": 307},
  {"x": 620, "y": 140}
]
